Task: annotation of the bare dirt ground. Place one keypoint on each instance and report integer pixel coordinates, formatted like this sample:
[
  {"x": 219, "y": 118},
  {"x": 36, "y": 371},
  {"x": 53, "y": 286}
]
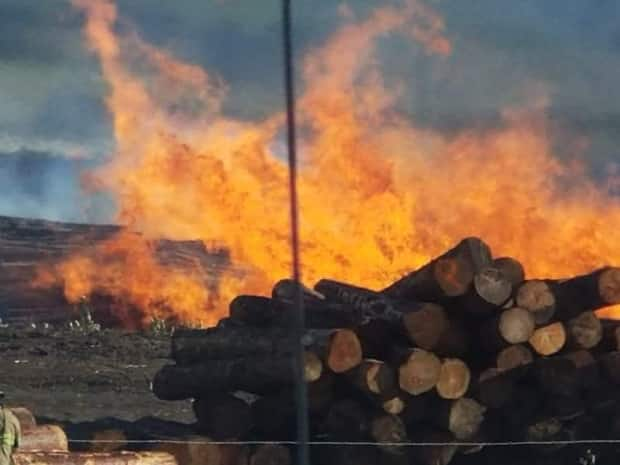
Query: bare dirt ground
[{"x": 71, "y": 376}]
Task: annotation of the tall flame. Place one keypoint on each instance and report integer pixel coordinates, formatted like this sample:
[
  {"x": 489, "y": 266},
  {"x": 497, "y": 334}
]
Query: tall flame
[{"x": 378, "y": 195}]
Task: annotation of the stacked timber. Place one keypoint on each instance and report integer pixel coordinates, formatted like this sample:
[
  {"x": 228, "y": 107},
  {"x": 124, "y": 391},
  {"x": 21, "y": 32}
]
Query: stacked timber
[{"x": 463, "y": 350}]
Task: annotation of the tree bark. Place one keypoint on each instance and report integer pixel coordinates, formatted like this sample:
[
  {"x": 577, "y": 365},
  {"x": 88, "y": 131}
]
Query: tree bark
[
  {"x": 44, "y": 438},
  {"x": 450, "y": 275},
  {"x": 513, "y": 356},
  {"x": 92, "y": 458},
  {"x": 223, "y": 416},
  {"x": 271, "y": 454}
]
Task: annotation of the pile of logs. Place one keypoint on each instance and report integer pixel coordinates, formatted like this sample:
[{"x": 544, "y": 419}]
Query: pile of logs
[
  {"x": 48, "y": 445},
  {"x": 462, "y": 350}
]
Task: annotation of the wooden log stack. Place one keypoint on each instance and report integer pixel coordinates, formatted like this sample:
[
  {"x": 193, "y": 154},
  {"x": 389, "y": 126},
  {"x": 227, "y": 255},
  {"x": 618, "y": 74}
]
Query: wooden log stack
[{"x": 464, "y": 349}]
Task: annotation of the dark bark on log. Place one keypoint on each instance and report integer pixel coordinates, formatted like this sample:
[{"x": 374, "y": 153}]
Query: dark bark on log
[
  {"x": 386, "y": 429},
  {"x": 347, "y": 420},
  {"x": 449, "y": 275},
  {"x": 610, "y": 366},
  {"x": 257, "y": 375},
  {"x": 252, "y": 310},
  {"x": 461, "y": 417},
  {"x": 223, "y": 416},
  {"x": 557, "y": 375},
  {"x": 271, "y": 454},
  {"x": 513, "y": 357},
  {"x": 454, "y": 378},
  {"x": 44, "y": 438},
  {"x": 370, "y": 303},
  {"x": 286, "y": 290},
  {"x": 196, "y": 345},
  {"x": 512, "y": 269},
  {"x": 494, "y": 388},
  {"x": 548, "y": 340},
  {"x": 512, "y": 326},
  {"x": 87, "y": 458},
  {"x": 440, "y": 454},
  {"x": 611, "y": 335},
  {"x": 585, "y": 331},
  {"x": 374, "y": 378}
]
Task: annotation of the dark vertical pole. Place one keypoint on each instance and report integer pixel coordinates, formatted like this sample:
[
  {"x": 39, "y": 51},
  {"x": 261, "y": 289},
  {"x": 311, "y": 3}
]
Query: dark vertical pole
[{"x": 289, "y": 81}]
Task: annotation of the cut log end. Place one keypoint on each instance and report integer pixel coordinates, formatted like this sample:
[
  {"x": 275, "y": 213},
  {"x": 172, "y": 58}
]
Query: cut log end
[
  {"x": 466, "y": 416},
  {"x": 345, "y": 351},
  {"x": 513, "y": 357},
  {"x": 585, "y": 331},
  {"x": 426, "y": 325},
  {"x": 394, "y": 405},
  {"x": 454, "y": 378},
  {"x": 420, "y": 373},
  {"x": 491, "y": 284},
  {"x": 609, "y": 286},
  {"x": 536, "y": 296},
  {"x": 549, "y": 339},
  {"x": 516, "y": 325},
  {"x": 313, "y": 367},
  {"x": 453, "y": 276}
]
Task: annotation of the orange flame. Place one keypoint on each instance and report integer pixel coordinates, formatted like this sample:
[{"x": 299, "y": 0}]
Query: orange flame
[{"x": 378, "y": 195}]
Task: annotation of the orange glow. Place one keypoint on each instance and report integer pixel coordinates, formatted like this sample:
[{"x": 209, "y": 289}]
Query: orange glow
[{"x": 378, "y": 195}]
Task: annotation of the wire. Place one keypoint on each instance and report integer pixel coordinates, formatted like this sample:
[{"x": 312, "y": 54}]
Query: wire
[{"x": 289, "y": 83}]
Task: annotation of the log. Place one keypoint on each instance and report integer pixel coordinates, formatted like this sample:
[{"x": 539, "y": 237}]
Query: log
[
  {"x": 93, "y": 458},
  {"x": 454, "y": 378},
  {"x": 450, "y": 275},
  {"x": 588, "y": 292},
  {"x": 387, "y": 430},
  {"x": 440, "y": 453},
  {"x": 195, "y": 345},
  {"x": 374, "y": 378},
  {"x": 489, "y": 292},
  {"x": 584, "y": 331},
  {"x": 201, "y": 450},
  {"x": 347, "y": 420},
  {"x": 610, "y": 366},
  {"x": 252, "y": 310},
  {"x": 494, "y": 388},
  {"x": 512, "y": 270},
  {"x": 557, "y": 375},
  {"x": 420, "y": 372},
  {"x": 513, "y": 356},
  {"x": 341, "y": 348},
  {"x": 394, "y": 405},
  {"x": 223, "y": 416},
  {"x": 430, "y": 328},
  {"x": 369, "y": 303},
  {"x": 44, "y": 438},
  {"x": 611, "y": 335},
  {"x": 107, "y": 440},
  {"x": 548, "y": 340},
  {"x": 25, "y": 417},
  {"x": 271, "y": 454},
  {"x": 273, "y": 416},
  {"x": 589, "y": 374},
  {"x": 461, "y": 417},
  {"x": 257, "y": 375},
  {"x": 537, "y": 297},
  {"x": 512, "y": 326},
  {"x": 286, "y": 290}
]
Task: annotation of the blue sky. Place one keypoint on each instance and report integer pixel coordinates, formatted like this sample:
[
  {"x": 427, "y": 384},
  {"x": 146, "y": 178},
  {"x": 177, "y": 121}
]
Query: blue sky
[{"x": 53, "y": 122}]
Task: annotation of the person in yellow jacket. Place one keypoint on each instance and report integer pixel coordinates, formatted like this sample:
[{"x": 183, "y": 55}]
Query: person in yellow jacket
[{"x": 10, "y": 433}]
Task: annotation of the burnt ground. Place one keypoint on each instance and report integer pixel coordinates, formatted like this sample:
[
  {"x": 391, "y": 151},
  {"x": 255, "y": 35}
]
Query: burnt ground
[{"x": 65, "y": 375}]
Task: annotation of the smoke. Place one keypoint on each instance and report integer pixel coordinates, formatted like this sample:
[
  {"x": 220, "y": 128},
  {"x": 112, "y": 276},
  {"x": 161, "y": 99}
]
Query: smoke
[{"x": 42, "y": 185}]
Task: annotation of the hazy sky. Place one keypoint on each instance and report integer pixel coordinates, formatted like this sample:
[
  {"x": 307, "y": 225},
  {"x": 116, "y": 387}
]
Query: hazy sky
[{"x": 53, "y": 122}]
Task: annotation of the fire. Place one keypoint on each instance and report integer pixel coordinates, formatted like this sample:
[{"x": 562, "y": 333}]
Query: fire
[{"x": 379, "y": 196}]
